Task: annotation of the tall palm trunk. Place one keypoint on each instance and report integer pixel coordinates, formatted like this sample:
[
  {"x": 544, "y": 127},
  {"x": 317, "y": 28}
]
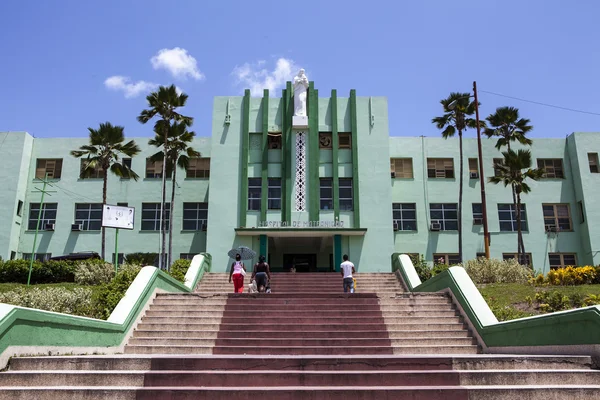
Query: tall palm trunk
[
  {"x": 104, "y": 185},
  {"x": 162, "y": 204},
  {"x": 170, "y": 262},
  {"x": 519, "y": 231},
  {"x": 517, "y": 207},
  {"x": 460, "y": 197}
]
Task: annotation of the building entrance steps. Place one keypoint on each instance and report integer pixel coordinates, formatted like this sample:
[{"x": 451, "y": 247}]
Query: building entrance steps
[{"x": 307, "y": 340}]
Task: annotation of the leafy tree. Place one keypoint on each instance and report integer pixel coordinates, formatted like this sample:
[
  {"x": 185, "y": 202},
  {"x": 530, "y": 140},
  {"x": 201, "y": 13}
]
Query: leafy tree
[
  {"x": 164, "y": 103},
  {"x": 507, "y": 126},
  {"x": 515, "y": 171},
  {"x": 104, "y": 153},
  {"x": 179, "y": 154},
  {"x": 458, "y": 108}
]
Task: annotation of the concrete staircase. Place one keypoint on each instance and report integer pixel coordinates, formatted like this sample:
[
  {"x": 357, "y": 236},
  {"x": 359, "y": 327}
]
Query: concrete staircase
[{"x": 306, "y": 340}]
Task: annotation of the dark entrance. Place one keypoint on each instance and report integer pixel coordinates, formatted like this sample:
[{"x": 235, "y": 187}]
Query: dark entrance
[{"x": 302, "y": 262}]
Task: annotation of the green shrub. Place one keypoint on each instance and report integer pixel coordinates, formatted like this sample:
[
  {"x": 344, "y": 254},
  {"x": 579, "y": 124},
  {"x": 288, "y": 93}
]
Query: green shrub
[
  {"x": 421, "y": 267},
  {"x": 108, "y": 295},
  {"x": 439, "y": 268},
  {"x": 93, "y": 272},
  {"x": 142, "y": 259},
  {"x": 483, "y": 270},
  {"x": 77, "y": 301},
  {"x": 552, "y": 301},
  {"x": 17, "y": 271},
  {"x": 592, "y": 300},
  {"x": 505, "y": 313},
  {"x": 179, "y": 269}
]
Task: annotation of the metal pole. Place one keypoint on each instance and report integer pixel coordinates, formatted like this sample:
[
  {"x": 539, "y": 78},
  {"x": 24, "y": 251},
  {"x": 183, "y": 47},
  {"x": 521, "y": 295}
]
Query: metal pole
[
  {"x": 116, "y": 251},
  {"x": 37, "y": 228},
  {"x": 486, "y": 234}
]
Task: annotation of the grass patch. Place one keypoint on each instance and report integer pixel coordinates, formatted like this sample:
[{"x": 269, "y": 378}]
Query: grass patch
[
  {"x": 510, "y": 300},
  {"x": 7, "y": 287}
]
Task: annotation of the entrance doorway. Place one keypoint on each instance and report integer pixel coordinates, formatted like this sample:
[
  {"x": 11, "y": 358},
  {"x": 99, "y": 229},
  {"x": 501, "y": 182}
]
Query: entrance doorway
[{"x": 302, "y": 262}]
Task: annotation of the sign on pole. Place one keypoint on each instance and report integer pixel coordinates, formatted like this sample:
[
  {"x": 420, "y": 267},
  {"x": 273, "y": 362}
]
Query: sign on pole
[{"x": 117, "y": 217}]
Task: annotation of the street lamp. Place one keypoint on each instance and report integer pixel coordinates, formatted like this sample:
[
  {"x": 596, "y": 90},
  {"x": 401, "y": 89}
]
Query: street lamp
[{"x": 486, "y": 234}]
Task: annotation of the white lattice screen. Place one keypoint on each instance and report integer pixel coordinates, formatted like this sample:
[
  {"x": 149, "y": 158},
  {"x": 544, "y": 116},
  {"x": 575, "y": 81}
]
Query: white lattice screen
[{"x": 300, "y": 183}]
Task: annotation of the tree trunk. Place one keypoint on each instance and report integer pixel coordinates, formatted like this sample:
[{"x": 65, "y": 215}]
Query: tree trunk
[
  {"x": 460, "y": 197},
  {"x": 520, "y": 247},
  {"x": 164, "y": 195},
  {"x": 519, "y": 231},
  {"x": 104, "y": 185},
  {"x": 170, "y": 262}
]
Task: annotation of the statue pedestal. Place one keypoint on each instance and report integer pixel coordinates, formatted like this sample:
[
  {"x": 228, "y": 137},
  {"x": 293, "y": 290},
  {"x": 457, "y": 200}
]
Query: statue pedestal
[{"x": 300, "y": 122}]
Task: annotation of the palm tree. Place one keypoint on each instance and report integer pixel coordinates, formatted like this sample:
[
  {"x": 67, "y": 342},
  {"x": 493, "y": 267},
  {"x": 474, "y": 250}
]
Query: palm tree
[
  {"x": 511, "y": 173},
  {"x": 103, "y": 153},
  {"x": 506, "y": 125},
  {"x": 179, "y": 155},
  {"x": 457, "y": 109},
  {"x": 164, "y": 103}
]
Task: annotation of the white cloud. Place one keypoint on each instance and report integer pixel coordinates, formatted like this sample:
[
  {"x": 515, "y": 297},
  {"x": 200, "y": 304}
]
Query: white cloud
[
  {"x": 127, "y": 86},
  {"x": 178, "y": 62},
  {"x": 256, "y": 78}
]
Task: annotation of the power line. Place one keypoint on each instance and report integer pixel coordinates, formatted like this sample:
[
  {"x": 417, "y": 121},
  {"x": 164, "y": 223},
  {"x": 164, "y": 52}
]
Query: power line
[{"x": 541, "y": 104}]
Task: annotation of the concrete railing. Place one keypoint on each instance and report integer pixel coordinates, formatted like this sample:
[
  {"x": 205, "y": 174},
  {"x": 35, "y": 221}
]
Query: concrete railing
[
  {"x": 27, "y": 331},
  {"x": 566, "y": 332}
]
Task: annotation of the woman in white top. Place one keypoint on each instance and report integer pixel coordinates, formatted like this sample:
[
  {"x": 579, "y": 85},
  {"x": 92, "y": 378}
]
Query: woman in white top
[{"x": 238, "y": 276}]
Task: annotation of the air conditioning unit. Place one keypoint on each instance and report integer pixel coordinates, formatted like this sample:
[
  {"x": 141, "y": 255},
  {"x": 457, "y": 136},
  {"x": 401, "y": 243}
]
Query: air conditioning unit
[
  {"x": 477, "y": 221},
  {"x": 49, "y": 227},
  {"x": 203, "y": 227},
  {"x": 396, "y": 227},
  {"x": 393, "y": 175},
  {"x": 474, "y": 175},
  {"x": 75, "y": 227},
  {"x": 435, "y": 226},
  {"x": 551, "y": 228}
]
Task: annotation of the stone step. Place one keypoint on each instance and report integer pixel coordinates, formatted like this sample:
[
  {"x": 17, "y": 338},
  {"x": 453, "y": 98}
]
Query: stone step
[
  {"x": 305, "y": 363},
  {"x": 269, "y": 320},
  {"x": 194, "y": 301},
  {"x": 299, "y": 308},
  {"x": 300, "y": 315},
  {"x": 545, "y": 392},
  {"x": 409, "y": 326},
  {"x": 233, "y": 378}
]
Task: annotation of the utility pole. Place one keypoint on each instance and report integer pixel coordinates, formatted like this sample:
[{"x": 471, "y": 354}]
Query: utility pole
[
  {"x": 37, "y": 225},
  {"x": 486, "y": 233}
]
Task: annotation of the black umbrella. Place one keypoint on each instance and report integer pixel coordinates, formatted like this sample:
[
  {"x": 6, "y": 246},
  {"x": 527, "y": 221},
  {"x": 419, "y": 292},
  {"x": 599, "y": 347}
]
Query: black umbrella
[{"x": 245, "y": 253}]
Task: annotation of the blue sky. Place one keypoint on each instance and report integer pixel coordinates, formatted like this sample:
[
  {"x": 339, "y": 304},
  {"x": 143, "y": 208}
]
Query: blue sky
[{"x": 58, "y": 55}]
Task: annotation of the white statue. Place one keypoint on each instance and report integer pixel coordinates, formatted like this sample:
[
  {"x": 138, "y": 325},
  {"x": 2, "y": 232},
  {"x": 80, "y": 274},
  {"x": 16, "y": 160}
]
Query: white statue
[{"x": 300, "y": 89}]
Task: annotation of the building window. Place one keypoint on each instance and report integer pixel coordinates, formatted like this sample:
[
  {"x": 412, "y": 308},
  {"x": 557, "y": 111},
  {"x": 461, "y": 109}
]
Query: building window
[
  {"x": 553, "y": 167},
  {"x": 122, "y": 204},
  {"x": 557, "y": 217},
  {"x": 195, "y": 216},
  {"x": 325, "y": 141},
  {"x": 121, "y": 258},
  {"x": 254, "y": 193},
  {"x": 198, "y": 168},
  {"x": 525, "y": 258},
  {"x": 581, "y": 212},
  {"x": 187, "y": 256},
  {"x": 448, "y": 259},
  {"x": 42, "y": 257},
  {"x": 20, "y": 208},
  {"x": 89, "y": 216},
  {"x": 473, "y": 168},
  {"x": 345, "y": 140},
  {"x": 274, "y": 194},
  {"x": 508, "y": 217},
  {"x": 274, "y": 141},
  {"x": 593, "y": 159},
  {"x": 498, "y": 162},
  {"x": 401, "y": 167},
  {"x": 48, "y": 166},
  {"x": 479, "y": 255},
  {"x": 445, "y": 214},
  {"x": 151, "y": 216},
  {"x": 47, "y": 217},
  {"x": 477, "y": 214},
  {"x": 154, "y": 169},
  {"x": 85, "y": 173},
  {"x": 561, "y": 260},
  {"x": 405, "y": 216},
  {"x": 440, "y": 168},
  {"x": 346, "y": 194},
  {"x": 126, "y": 161},
  {"x": 326, "y": 194}
]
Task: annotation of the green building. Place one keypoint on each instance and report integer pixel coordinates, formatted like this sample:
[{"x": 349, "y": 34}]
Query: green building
[{"x": 305, "y": 195}]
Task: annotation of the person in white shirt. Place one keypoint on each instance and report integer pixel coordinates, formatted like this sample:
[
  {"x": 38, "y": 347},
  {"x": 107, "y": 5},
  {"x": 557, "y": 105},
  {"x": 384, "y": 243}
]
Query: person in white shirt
[{"x": 347, "y": 269}]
